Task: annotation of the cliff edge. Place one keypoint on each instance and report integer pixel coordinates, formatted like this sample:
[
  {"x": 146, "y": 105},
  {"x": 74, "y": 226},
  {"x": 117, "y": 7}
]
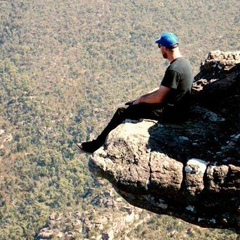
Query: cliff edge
[{"x": 191, "y": 170}]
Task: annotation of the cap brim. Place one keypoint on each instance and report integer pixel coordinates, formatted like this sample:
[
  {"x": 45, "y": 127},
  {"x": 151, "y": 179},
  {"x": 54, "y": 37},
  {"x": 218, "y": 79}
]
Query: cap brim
[{"x": 158, "y": 41}]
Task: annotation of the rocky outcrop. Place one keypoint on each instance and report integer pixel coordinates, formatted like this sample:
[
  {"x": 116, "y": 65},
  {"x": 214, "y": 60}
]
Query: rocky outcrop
[{"x": 191, "y": 170}]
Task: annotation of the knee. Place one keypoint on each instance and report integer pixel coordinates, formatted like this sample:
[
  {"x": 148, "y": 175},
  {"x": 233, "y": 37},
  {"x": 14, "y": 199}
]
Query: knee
[{"x": 120, "y": 110}]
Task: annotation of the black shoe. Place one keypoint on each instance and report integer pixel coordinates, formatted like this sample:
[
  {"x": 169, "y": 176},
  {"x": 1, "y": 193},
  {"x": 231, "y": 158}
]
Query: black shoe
[{"x": 89, "y": 147}]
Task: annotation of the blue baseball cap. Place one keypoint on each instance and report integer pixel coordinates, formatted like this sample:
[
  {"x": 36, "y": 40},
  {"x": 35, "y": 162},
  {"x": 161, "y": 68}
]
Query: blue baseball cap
[{"x": 168, "y": 40}]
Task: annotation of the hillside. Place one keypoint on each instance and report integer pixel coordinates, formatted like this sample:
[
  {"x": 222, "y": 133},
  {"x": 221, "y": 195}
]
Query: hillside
[{"x": 64, "y": 67}]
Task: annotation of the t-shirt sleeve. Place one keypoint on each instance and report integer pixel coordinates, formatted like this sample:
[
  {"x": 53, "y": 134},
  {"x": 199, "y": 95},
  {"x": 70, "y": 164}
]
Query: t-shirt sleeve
[{"x": 170, "y": 79}]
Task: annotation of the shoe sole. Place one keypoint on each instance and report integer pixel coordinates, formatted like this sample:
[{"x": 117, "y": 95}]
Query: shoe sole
[{"x": 80, "y": 148}]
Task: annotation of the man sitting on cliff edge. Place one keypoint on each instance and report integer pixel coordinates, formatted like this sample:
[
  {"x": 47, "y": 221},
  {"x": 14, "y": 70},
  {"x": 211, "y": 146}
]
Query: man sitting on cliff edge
[{"x": 170, "y": 102}]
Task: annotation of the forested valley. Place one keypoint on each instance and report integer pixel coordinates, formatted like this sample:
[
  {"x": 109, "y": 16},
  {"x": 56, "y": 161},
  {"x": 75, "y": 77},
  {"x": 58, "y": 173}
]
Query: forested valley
[{"x": 65, "y": 66}]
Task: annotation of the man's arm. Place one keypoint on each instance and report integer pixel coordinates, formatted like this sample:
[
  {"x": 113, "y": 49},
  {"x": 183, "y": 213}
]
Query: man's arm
[
  {"x": 157, "y": 96},
  {"x": 131, "y": 102}
]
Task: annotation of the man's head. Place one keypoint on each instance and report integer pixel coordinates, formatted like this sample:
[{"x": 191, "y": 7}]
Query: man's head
[{"x": 167, "y": 42}]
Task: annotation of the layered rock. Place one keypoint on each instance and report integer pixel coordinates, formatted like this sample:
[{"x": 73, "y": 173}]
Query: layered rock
[{"x": 190, "y": 170}]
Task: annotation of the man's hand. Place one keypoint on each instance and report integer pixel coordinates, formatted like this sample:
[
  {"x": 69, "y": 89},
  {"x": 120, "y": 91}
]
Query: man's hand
[
  {"x": 130, "y": 102},
  {"x": 136, "y": 102}
]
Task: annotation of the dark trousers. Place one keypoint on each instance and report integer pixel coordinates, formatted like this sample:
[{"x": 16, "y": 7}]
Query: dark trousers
[{"x": 133, "y": 112}]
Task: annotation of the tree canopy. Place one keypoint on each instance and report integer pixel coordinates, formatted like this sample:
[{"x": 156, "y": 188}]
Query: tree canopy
[{"x": 64, "y": 67}]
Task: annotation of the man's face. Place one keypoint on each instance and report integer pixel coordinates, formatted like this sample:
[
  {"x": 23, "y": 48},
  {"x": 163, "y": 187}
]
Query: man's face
[{"x": 164, "y": 52}]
